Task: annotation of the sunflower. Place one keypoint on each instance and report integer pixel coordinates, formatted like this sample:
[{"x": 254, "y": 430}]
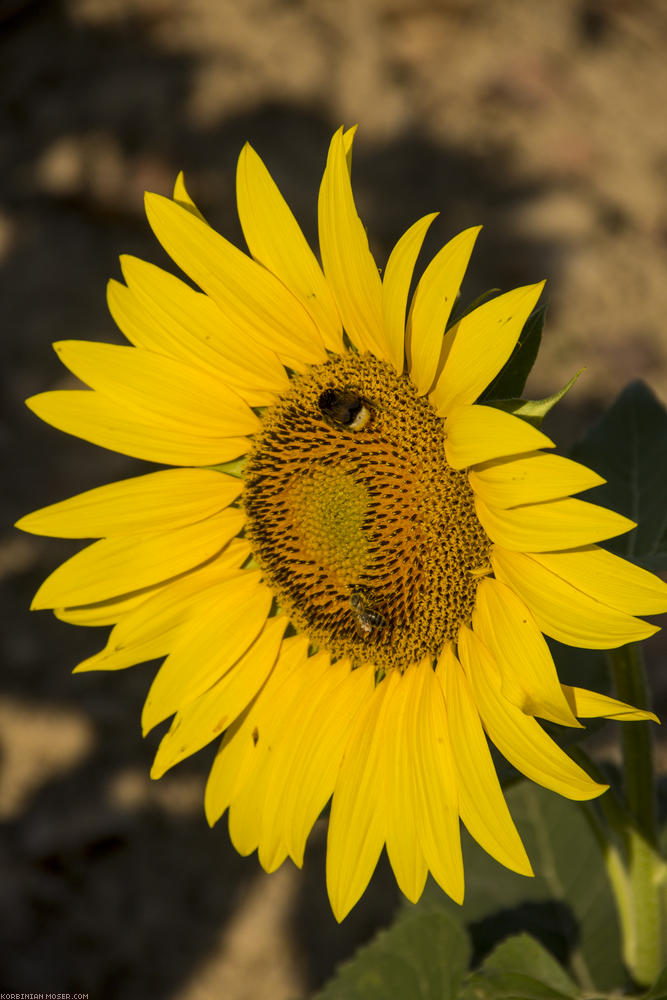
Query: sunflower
[{"x": 352, "y": 563}]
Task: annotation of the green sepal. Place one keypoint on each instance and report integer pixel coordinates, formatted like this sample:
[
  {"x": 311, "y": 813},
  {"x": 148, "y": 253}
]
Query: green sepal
[
  {"x": 510, "y": 381},
  {"x": 234, "y": 468},
  {"x": 533, "y": 410}
]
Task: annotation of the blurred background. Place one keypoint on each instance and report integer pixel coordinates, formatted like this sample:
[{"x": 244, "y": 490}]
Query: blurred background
[{"x": 543, "y": 121}]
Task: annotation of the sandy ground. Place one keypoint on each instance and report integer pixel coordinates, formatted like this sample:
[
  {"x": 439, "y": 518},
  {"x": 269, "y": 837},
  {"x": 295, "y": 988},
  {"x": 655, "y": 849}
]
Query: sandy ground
[{"x": 543, "y": 121}]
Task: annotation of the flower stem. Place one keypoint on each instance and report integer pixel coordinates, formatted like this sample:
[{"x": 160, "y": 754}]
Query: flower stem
[
  {"x": 645, "y": 867},
  {"x": 640, "y": 789}
]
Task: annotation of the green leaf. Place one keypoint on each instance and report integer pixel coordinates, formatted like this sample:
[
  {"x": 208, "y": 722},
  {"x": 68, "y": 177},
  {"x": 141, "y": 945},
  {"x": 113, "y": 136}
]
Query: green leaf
[
  {"x": 659, "y": 989},
  {"x": 568, "y": 906},
  {"x": 424, "y": 956},
  {"x": 520, "y": 969},
  {"x": 535, "y": 410},
  {"x": 511, "y": 380},
  {"x": 628, "y": 446}
]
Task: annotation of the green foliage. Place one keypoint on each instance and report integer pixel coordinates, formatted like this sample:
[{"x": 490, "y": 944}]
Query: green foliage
[
  {"x": 510, "y": 382},
  {"x": 424, "y": 956},
  {"x": 659, "y": 989},
  {"x": 520, "y": 969},
  {"x": 628, "y": 446},
  {"x": 568, "y": 905}
]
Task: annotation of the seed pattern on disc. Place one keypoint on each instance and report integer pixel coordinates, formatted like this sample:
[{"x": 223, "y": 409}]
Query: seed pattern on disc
[{"x": 367, "y": 536}]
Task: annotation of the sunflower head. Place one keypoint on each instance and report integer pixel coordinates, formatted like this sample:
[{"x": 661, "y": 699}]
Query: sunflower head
[
  {"x": 368, "y": 538},
  {"x": 351, "y": 564}
]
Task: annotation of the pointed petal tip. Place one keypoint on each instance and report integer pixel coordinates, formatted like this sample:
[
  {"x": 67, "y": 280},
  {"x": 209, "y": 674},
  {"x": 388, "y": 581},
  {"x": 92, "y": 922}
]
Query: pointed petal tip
[
  {"x": 179, "y": 186},
  {"x": 522, "y": 864},
  {"x": 153, "y": 202},
  {"x": 148, "y": 722},
  {"x": 457, "y": 894},
  {"x": 38, "y": 603},
  {"x": 23, "y": 524},
  {"x": 156, "y": 772},
  {"x": 339, "y": 909}
]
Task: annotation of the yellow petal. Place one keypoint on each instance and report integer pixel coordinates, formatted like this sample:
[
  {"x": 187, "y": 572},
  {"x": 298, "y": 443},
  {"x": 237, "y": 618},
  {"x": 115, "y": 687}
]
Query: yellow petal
[
  {"x": 183, "y": 198},
  {"x": 123, "y": 607},
  {"x": 159, "y": 501},
  {"x": 247, "y": 827},
  {"x": 508, "y": 630},
  {"x": 432, "y": 305},
  {"x": 121, "y": 565},
  {"x": 148, "y": 627},
  {"x": 558, "y": 524},
  {"x": 396, "y": 287},
  {"x": 275, "y": 239},
  {"x": 533, "y": 478},
  {"x": 159, "y": 312},
  {"x": 97, "y": 419},
  {"x": 251, "y": 299},
  {"x": 159, "y": 388},
  {"x": 481, "y": 802},
  {"x": 520, "y": 739},
  {"x": 234, "y": 764},
  {"x": 319, "y": 750},
  {"x": 481, "y": 343},
  {"x": 105, "y": 612},
  {"x": 436, "y": 787},
  {"x": 226, "y": 621},
  {"x": 591, "y": 705},
  {"x": 210, "y": 714},
  {"x": 476, "y": 434},
  {"x": 609, "y": 579},
  {"x": 402, "y": 796},
  {"x": 563, "y": 612},
  {"x": 152, "y": 637},
  {"x": 282, "y": 748},
  {"x": 357, "y": 825},
  {"x": 347, "y": 260}
]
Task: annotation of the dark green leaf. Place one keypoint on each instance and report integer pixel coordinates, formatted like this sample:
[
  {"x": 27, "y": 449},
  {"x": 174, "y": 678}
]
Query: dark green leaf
[
  {"x": 511, "y": 380},
  {"x": 628, "y": 446},
  {"x": 659, "y": 989},
  {"x": 568, "y": 906},
  {"x": 520, "y": 969},
  {"x": 424, "y": 956}
]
